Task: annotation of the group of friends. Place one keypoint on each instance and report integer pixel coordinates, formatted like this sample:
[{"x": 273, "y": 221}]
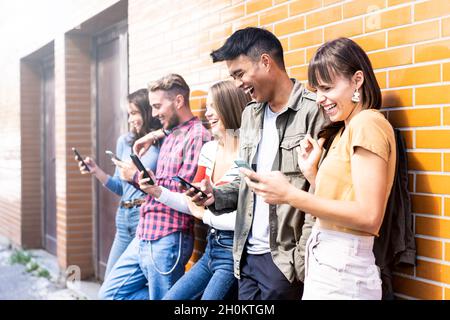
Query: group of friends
[{"x": 292, "y": 180}]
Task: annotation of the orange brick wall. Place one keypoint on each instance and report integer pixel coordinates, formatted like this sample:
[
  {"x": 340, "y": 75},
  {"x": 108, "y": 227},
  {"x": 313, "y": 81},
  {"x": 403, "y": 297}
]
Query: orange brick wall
[{"x": 407, "y": 41}]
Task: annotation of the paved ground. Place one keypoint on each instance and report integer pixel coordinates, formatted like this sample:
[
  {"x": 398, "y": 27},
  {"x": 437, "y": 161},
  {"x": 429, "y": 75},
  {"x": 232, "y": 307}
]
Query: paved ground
[{"x": 18, "y": 284}]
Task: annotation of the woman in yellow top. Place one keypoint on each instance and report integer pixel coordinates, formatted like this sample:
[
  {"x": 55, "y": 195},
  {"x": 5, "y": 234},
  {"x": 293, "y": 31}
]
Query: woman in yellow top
[{"x": 352, "y": 185}]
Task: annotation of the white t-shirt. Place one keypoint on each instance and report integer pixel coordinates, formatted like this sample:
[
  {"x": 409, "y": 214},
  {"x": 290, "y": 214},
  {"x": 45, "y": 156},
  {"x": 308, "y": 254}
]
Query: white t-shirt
[
  {"x": 206, "y": 163},
  {"x": 258, "y": 242}
]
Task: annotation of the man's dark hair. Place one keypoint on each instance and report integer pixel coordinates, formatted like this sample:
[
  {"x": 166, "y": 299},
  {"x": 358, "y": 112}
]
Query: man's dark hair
[{"x": 252, "y": 42}]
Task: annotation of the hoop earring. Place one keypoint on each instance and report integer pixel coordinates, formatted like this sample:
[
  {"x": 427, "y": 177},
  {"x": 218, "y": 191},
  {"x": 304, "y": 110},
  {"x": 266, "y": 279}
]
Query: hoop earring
[{"x": 355, "y": 97}]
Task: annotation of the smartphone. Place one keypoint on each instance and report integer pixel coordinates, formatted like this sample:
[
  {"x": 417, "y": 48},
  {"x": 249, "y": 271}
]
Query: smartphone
[
  {"x": 137, "y": 162},
  {"x": 80, "y": 158},
  {"x": 112, "y": 155},
  {"x": 243, "y": 164},
  {"x": 188, "y": 185}
]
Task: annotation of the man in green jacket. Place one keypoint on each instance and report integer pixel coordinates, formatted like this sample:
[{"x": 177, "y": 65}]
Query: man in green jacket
[{"x": 269, "y": 240}]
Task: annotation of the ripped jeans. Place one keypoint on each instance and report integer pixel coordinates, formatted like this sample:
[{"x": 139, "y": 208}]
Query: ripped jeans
[
  {"x": 340, "y": 266},
  {"x": 148, "y": 268}
]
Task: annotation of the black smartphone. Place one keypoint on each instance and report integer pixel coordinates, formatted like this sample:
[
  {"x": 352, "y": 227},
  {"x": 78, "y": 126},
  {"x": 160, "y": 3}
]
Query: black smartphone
[
  {"x": 137, "y": 162},
  {"x": 112, "y": 155},
  {"x": 80, "y": 158},
  {"x": 188, "y": 185}
]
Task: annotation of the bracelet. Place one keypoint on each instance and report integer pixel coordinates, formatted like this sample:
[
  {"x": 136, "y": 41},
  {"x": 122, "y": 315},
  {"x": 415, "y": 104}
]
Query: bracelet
[{"x": 155, "y": 137}]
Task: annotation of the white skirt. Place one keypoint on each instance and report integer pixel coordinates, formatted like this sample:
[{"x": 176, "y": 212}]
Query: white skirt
[{"x": 340, "y": 266}]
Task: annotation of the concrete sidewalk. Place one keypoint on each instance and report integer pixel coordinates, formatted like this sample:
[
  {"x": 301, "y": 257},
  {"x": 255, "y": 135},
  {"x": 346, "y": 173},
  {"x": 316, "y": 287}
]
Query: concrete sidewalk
[{"x": 16, "y": 283}]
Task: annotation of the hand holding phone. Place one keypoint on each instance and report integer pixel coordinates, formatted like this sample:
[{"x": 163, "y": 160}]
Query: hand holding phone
[
  {"x": 80, "y": 158},
  {"x": 137, "y": 162},
  {"x": 188, "y": 185}
]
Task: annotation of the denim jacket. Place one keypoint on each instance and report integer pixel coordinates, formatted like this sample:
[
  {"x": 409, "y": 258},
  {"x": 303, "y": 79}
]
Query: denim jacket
[{"x": 288, "y": 229}]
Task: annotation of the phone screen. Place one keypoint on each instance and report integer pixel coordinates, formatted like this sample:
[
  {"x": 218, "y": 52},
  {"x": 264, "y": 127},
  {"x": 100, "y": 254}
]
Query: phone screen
[
  {"x": 188, "y": 185},
  {"x": 80, "y": 158},
  {"x": 137, "y": 162},
  {"x": 243, "y": 164}
]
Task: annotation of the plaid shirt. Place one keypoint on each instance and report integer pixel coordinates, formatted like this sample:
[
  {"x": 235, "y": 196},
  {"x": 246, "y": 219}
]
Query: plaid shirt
[{"x": 178, "y": 156}]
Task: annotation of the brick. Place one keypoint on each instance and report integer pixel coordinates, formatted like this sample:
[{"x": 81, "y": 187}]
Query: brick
[
  {"x": 429, "y": 248},
  {"x": 290, "y": 26},
  {"x": 381, "y": 79},
  {"x": 434, "y": 227},
  {"x": 328, "y": 2},
  {"x": 298, "y": 7},
  {"x": 436, "y": 184},
  {"x": 426, "y": 204},
  {"x": 395, "y": 2},
  {"x": 446, "y": 71},
  {"x": 416, "y": 288},
  {"x": 415, "y": 117},
  {"x": 431, "y": 9},
  {"x": 433, "y": 271},
  {"x": 323, "y": 17},
  {"x": 273, "y": 15},
  {"x": 219, "y": 32},
  {"x": 447, "y": 206},
  {"x": 372, "y": 42},
  {"x": 397, "y": 98},
  {"x": 414, "y": 33},
  {"x": 433, "y": 95},
  {"x": 253, "y": 6},
  {"x": 432, "y": 51},
  {"x": 359, "y": 7},
  {"x": 232, "y": 13},
  {"x": 447, "y": 294},
  {"x": 414, "y": 75},
  {"x": 446, "y": 27},
  {"x": 424, "y": 161},
  {"x": 345, "y": 29},
  {"x": 447, "y": 252},
  {"x": 310, "y": 52},
  {"x": 300, "y": 73},
  {"x": 447, "y": 163},
  {"x": 294, "y": 58},
  {"x": 391, "y": 58},
  {"x": 388, "y": 19},
  {"x": 306, "y": 39},
  {"x": 251, "y": 21},
  {"x": 285, "y": 44},
  {"x": 408, "y": 135}
]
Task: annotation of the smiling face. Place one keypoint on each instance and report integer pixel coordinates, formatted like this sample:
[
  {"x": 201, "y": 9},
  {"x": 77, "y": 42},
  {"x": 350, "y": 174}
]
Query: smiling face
[
  {"x": 216, "y": 124},
  {"x": 336, "y": 98},
  {"x": 251, "y": 76},
  {"x": 135, "y": 119},
  {"x": 163, "y": 108}
]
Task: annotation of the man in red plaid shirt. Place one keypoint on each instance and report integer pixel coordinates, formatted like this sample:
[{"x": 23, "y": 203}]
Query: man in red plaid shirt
[{"x": 164, "y": 237}]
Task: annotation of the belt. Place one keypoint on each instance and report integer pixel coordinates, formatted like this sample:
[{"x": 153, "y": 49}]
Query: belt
[{"x": 132, "y": 203}]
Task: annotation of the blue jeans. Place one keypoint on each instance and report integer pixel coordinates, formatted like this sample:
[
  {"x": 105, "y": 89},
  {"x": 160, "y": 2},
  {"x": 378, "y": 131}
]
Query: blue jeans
[
  {"x": 126, "y": 224},
  {"x": 211, "y": 278},
  {"x": 160, "y": 263}
]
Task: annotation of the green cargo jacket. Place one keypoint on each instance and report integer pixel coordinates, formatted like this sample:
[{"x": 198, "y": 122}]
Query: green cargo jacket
[{"x": 289, "y": 228}]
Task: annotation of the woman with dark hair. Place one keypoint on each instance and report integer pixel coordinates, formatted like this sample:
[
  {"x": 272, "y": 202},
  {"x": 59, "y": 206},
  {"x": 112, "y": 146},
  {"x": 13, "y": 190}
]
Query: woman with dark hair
[
  {"x": 140, "y": 123},
  {"x": 351, "y": 186}
]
